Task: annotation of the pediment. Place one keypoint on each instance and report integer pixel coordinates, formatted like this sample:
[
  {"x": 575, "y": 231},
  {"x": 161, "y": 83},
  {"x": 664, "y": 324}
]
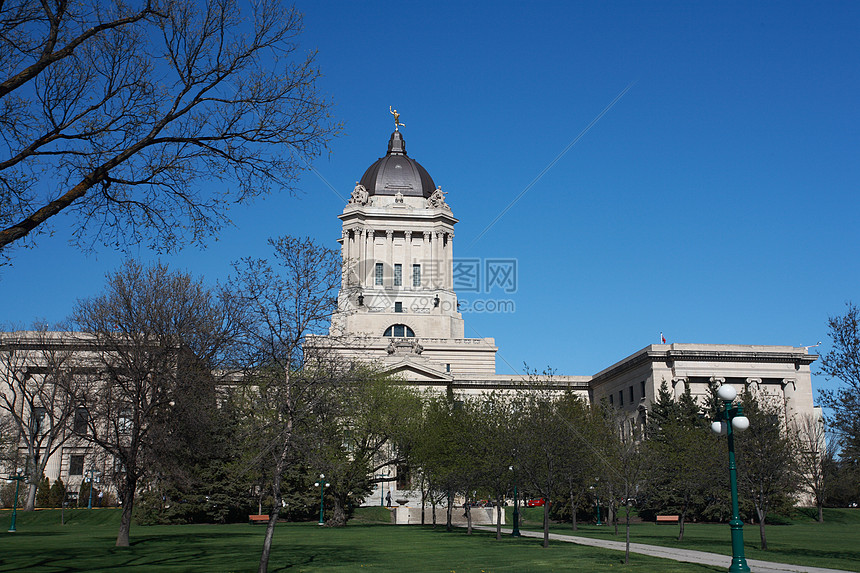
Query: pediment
[{"x": 415, "y": 369}]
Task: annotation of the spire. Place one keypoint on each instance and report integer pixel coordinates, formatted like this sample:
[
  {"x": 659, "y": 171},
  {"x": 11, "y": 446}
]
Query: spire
[{"x": 396, "y": 145}]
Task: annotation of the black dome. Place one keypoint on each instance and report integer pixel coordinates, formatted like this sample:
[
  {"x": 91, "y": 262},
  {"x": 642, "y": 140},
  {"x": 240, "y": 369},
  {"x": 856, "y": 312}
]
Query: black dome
[{"x": 397, "y": 172}]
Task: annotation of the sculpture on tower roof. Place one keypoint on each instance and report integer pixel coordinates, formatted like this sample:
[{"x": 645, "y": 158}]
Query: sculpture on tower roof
[
  {"x": 359, "y": 195},
  {"x": 396, "y": 118},
  {"x": 437, "y": 199}
]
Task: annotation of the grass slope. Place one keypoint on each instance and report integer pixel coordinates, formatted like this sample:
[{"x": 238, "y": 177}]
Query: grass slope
[
  {"x": 85, "y": 543},
  {"x": 369, "y": 543}
]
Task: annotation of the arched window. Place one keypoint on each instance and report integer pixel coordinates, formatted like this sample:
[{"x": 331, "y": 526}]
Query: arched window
[{"x": 399, "y": 331}]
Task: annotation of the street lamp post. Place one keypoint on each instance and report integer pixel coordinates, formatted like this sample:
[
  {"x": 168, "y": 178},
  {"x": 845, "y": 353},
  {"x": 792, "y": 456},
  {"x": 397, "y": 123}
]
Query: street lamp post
[
  {"x": 729, "y": 420},
  {"x": 515, "y": 532},
  {"x": 321, "y": 484},
  {"x": 17, "y": 478},
  {"x": 597, "y": 495},
  {"x": 382, "y": 489},
  {"x": 93, "y": 478}
]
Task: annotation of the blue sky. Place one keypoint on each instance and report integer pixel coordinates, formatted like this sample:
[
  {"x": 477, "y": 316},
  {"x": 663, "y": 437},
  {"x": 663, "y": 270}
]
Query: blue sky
[{"x": 715, "y": 201}]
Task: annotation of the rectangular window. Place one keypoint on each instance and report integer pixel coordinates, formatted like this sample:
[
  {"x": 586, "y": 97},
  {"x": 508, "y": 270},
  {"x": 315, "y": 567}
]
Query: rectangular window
[
  {"x": 631, "y": 394},
  {"x": 124, "y": 421},
  {"x": 39, "y": 421},
  {"x": 76, "y": 465},
  {"x": 82, "y": 417},
  {"x": 642, "y": 387},
  {"x": 378, "y": 274},
  {"x": 611, "y": 401},
  {"x": 398, "y": 275},
  {"x": 621, "y": 397},
  {"x": 398, "y": 307},
  {"x": 416, "y": 275}
]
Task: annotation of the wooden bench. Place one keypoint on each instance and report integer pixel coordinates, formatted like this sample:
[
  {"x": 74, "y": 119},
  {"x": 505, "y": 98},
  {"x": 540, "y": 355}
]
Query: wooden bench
[
  {"x": 252, "y": 519},
  {"x": 668, "y": 518}
]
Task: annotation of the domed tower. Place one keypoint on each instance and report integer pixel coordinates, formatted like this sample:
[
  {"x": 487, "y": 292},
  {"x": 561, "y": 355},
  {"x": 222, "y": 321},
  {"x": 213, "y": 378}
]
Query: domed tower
[{"x": 397, "y": 300}]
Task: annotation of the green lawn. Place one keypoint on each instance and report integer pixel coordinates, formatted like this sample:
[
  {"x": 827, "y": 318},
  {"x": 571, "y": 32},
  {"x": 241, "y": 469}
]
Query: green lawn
[
  {"x": 85, "y": 543},
  {"x": 833, "y": 544}
]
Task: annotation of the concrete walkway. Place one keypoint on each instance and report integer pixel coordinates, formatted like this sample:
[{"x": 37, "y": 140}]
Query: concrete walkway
[{"x": 685, "y": 555}]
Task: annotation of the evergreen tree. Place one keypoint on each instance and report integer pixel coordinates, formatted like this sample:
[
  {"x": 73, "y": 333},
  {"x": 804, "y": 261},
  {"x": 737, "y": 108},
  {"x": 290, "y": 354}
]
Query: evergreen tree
[
  {"x": 43, "y": 493},
  {"x": 57, "y": 493}
]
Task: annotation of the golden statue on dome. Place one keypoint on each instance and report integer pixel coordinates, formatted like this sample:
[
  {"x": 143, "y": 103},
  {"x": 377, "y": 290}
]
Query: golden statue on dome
[{"x": 396, "y": 118}]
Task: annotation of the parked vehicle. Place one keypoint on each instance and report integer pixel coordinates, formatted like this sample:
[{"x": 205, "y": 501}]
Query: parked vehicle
[{"x": 535, "y": 502}]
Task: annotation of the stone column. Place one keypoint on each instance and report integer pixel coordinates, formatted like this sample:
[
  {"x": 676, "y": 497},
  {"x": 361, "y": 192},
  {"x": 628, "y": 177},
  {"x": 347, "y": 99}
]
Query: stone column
[
  {"x": 371, "y": 258},
  {"x": 680, "y": 386},
  {"x": 389, "y": 258},
  {"x": 408, "y": 264},
  {"x": 449, "y": 262},
  {"x": 789, "y": 387},
  {"x": 361, "y": 253},
  {"x": 427, "y": 262},
  {"x": 753, "y": 385},
  {"x": 439, "y": 259}
]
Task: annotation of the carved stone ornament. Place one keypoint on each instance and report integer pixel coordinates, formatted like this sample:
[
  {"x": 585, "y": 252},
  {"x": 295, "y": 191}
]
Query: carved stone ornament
[
  {"x": 392, "y": 348},
  {"x": 359, "y": 196},
  {"x": 416, "y": 347},
  {"x": 398, "y": 197},
  {"x": 437, "y": 200}
]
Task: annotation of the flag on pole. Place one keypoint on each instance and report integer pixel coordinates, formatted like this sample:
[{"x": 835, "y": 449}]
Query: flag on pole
[{"x": 662, "y": 338}]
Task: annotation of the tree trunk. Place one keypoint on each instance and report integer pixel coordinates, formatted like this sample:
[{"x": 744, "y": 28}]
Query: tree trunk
[
  {"x": 820, "y": 513},
  {"x": 338, "y": 513},
  {"x": 761, "y": 517},
  {"x": 433, "y": 505},
  {"x": 468, "y": 511},
  {"x": 423, "y": 500},
  {"x": 498, "y": 519},
  {"x": 681, "y": 521},
  {"x": 448, "y": 526},
  {"x": 127, "y": 507},
  {"x": 273, "y": 519},
  {"x": 546, "y": 522},
  {"x": 627, "y": 540},
  {"x": 30, "y": 502},
  {"x": 573, "y": 508}
]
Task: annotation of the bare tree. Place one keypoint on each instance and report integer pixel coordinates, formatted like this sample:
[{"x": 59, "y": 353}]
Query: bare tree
[
  {"x": 281, "y": 305},
  {"x": 155, "y": 331},
  {"x": 41, "y": 390},
  {"x": 813, "y": 452},
  {"x": 116, "y": 110}
]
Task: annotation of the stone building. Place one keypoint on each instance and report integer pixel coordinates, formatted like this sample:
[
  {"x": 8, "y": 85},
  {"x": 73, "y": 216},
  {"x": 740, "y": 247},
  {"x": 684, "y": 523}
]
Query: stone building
[{"x": 398, "y": 309}]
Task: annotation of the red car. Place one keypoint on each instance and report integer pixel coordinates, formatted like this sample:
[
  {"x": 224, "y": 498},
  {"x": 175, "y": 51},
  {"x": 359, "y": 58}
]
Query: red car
[{"x": 535, "y": 502}]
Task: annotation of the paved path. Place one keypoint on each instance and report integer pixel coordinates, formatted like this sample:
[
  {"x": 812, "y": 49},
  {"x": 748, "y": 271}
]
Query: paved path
[{"x": 685, "y": 555}]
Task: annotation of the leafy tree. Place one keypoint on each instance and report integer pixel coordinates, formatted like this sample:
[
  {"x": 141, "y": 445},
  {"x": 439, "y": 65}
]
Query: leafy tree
[
  {"x": 155, "y": 334},
  {"x": 767, "y": 473},
  {"x": 540, "y": 444},
  {"x": 579, "y": 459},
  {"x": 365, "y": 431},
  {"x": 842, "y": 362},
  {"x": 118, "y": 110}
]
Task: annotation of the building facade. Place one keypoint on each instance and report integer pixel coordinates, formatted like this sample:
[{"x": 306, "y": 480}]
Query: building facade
[{"x": 397, "y": 308}]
